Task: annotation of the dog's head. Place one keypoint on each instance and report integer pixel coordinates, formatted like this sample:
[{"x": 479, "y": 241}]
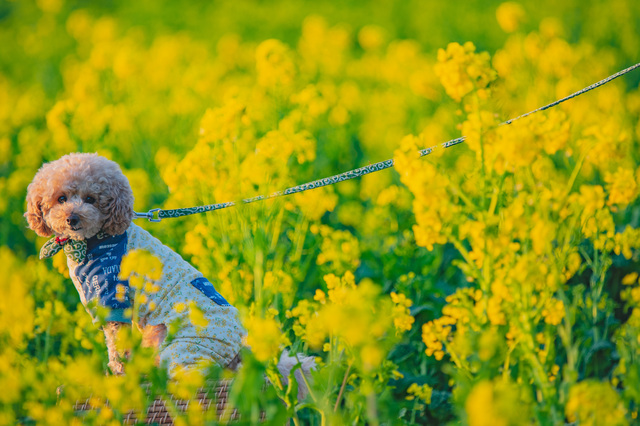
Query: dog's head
[{"x": 77, "y": 196}]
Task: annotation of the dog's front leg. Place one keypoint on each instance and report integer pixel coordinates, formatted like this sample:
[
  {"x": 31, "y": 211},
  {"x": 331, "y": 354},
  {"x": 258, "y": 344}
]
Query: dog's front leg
[
  {"x": 111, "y": 336},
  {"x": 153, "y": 336}
]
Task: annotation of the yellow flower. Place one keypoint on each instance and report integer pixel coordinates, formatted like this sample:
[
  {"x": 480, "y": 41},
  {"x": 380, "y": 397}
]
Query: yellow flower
[
  {"x": 494, "y": 311},
  {"x": 509, "y": 16},
  {"x": 574, "y": 261},
  {"x": 553, "y": 313},
  {"x": 347, "y": 309},
  {"x": 340, "y": 250},
  {"x": 185, "y": 382},
  {"x": 461, "y": 70},
  {"x": 630, "y": 279},
  {"x": 497, "y": 402},
  {"x": 626, "y": 241},
  {"x": 120, "y": 292},
  {"x": 60, "y": 263},
  {"x": 371, "y": 37},
  {"x": 314, "y": 204},
  {"x": 401, "y": 299},
  {"x": 422, "y": 392},
  {"x": 621, "y": 186},
  {"x": 141, "y": 185},
  {"x": 196, "y": 316},
  {"x": 320, "y": 296},
  {"x": 274, "y": 64},
  {"x": 151, "y": 288},
  {"x": 402, "y": 319},
  {"x": 595, "y": 403},
  {"x": 142, "y": 263},
  {"x": 264, "y": 337},
  {"x": 433, "y": 334},
  {"x": 542, "y": 235},
  {"x": 372, "y": 356}
]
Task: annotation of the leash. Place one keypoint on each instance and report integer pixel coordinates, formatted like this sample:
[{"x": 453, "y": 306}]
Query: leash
[{"x": 156, "y": 215}]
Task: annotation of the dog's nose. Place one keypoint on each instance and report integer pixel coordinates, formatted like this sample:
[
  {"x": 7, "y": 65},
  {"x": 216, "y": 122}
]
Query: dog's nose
[{"x": 73, "y": 220}]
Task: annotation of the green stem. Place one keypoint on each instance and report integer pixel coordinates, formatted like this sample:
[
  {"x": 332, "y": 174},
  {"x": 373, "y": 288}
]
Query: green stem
[
  {"x": 483, "y": 170},
  {"x": 300, "y": 235},
  {"x": 455, "y": 190},
  {"x": 372, "y": 412},
  {"x": 414, "y": 410},
  {"x": 258, "y": 270},
  {"x": 494, "y": 201},
  {"x": 306, "y": 382},
  {"x": 507, "y": 360},
  {"x": 47, "y": 340},
  {"x": 344, "y": 384},
  {"x": 572, "y": 180},
  {"x": 464, "y": 252},
  {"x": 276, "y": 230},
  {"x": 458, "y": 363}
]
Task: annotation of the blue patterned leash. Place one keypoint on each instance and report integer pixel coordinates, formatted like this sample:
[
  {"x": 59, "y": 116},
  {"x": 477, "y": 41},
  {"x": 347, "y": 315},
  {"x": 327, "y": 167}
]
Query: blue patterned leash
[{"x": 356, "y": 173}]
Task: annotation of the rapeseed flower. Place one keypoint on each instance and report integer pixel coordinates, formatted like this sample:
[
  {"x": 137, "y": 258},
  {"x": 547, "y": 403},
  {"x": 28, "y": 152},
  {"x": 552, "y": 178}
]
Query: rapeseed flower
[
  {"x": 592, "y": 403},
  {"x": 497, "y": 403},
  {"x": 461, "y": 70},
  {"x": 421, "y": 392},
  {"x": 264, "y": 337},
  {"x": 274, "y": 65},
  {"x": 510, "y": 15},
  {"x": 141, "y": 263},
  {"x": 621, "y": 186}
]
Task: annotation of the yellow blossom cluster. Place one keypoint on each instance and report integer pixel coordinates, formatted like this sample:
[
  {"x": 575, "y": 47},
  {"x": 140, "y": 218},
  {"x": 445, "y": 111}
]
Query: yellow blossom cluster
[
  {"x": 402, "y": 319},
  {"x": 141, "y": 264},
  {"x": 518, "y": 204},
  {"x": 142, "y": 270},
  {"x": 510, "y": 15},
  {"x": 593, "y": 403},
  {"x": 462, "y": 71},
  {"x": 621, "y": 186},
  {"x": 423, "y": 392},
  {"x": 340, "y": 315},
  {"x": 340, "y": 249},
  {"x": 497, "y": 402},
  {"x": 264, "y": 337}
]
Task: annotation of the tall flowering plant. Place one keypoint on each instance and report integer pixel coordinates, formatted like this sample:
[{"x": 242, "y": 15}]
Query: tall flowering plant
[{"x": 538, "y": 221}]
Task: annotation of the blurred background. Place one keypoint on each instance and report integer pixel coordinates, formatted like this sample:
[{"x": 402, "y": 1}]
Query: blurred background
[{"x": 155, "y": 67}]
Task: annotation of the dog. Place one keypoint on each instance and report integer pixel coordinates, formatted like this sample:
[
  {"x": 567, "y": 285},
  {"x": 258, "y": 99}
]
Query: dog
[{"x": 86, "y": 202}]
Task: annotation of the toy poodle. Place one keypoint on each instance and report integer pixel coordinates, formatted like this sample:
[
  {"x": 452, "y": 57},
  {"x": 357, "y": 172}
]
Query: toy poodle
[{"x": 86, "y": 202}]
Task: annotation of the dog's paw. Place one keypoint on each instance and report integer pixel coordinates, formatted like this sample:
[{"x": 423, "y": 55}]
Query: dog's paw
[
  {"x": 116, "y": 367},
  {"x": 306, "y": 364}
]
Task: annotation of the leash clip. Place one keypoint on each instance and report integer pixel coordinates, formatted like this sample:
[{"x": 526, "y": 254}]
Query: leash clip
[{"x": 149, "y": 215}]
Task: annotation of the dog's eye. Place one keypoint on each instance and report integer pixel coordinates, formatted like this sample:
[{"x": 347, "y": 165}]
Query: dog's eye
[
  {"x": 62, "y": 199},
  {"x": 89, "y": 199}
]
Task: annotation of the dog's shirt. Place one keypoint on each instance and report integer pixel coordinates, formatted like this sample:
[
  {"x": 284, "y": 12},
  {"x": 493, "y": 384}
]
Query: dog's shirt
[{"x": 96, "y": 279}]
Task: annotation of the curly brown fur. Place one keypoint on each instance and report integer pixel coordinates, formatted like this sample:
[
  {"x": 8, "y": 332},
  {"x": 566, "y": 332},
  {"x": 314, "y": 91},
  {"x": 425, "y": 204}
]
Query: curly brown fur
[
  {"x": 152, "y": 337},
  {"x": 79, "y": 195},
  {"x": 115, "y": 357},
  {"x": 76, "y": 197}
]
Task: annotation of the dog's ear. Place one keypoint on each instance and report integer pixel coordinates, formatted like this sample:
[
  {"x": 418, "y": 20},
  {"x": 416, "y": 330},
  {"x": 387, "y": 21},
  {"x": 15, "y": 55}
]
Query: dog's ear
[
  {"x": 119, "y": 206},
  {"x": 34, "y": 214}
]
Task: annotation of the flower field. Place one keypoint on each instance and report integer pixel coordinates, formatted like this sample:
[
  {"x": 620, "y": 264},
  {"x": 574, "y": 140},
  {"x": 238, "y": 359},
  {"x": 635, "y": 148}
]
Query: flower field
[{"x": 492, "y": 283}]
